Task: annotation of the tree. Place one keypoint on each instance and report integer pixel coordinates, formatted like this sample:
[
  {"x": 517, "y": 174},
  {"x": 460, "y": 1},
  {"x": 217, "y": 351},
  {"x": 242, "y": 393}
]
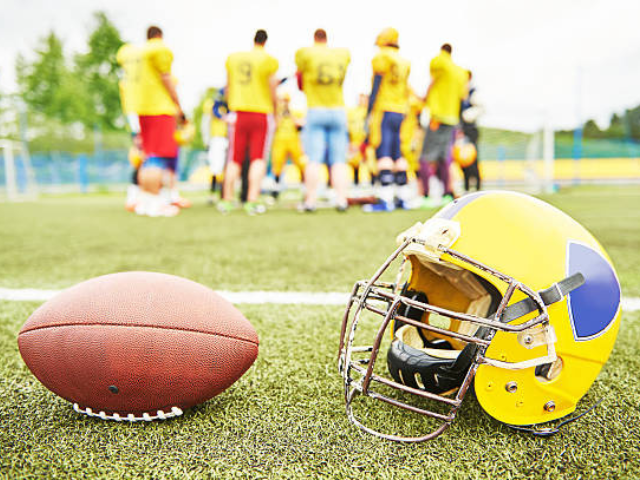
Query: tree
[
  {"x": 617, "y": 127},
  {"x": 591, "y": 129},
  {"x": 632, "y": 122},
  {"x": 47, "y": 86},
  {"x": 98, "y": 71}
]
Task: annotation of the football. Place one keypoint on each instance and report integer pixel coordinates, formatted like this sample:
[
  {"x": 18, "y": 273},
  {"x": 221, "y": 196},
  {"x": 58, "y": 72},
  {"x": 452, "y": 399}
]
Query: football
[{"x": 137, "y": 345}]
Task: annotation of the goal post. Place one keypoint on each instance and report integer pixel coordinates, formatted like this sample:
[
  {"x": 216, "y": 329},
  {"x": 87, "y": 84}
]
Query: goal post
[{"x": 19, "y": 177}]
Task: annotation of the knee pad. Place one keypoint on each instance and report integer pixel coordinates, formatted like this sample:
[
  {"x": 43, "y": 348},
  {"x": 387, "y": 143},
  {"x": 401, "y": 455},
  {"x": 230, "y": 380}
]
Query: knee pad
[
  {"x": 386, "y": 177},
  {"x": 401, "y": 178}
]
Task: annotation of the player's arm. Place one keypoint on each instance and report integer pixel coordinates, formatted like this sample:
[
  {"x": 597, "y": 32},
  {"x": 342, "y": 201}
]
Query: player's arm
[
  {"x": 168, "y": 83},
  {"x": 377, "y": 80},
  {"x": 273, "y": 85}
]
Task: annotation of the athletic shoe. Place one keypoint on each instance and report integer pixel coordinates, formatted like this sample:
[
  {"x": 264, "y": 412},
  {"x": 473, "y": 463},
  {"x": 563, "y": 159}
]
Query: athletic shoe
[
  {"x": 305, "y": 208},
  {"x": 427, "y": 203},
  {"x": 342, "y": 207},
  {"x": 379, "y": 207},
  {"x": 225, "y": 206},
  {"x": 403, "y": 205},
  {"x": 254, "y": 208},
  {"x": 447, "y": 198}
]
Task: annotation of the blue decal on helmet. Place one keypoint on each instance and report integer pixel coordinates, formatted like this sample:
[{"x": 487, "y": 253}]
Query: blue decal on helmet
[{"x": 594, "y": 305}]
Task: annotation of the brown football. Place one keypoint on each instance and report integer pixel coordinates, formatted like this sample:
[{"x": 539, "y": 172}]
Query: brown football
[{"x": 137, "y": 345}]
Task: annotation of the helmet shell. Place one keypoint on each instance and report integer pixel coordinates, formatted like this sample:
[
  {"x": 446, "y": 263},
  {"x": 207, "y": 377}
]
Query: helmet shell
[{"x": 539, "y": 245}]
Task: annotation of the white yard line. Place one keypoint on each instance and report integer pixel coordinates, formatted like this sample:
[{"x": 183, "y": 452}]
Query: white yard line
[{"x": 630, "y": 304}]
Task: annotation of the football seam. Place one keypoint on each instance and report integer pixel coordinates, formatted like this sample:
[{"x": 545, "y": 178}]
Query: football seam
[{"x": 190, "y": 330}]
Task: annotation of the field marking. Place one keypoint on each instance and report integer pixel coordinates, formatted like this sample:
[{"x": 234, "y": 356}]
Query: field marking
[{"x": 258, "y": 297}]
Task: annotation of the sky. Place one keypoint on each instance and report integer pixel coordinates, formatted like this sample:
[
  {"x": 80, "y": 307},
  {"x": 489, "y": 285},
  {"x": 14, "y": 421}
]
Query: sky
[{"x": 535, "y": 62}]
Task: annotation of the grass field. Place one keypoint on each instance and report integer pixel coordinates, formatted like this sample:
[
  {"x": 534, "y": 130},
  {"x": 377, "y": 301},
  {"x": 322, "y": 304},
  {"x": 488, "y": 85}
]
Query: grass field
[{"x": 285, "y": 418}]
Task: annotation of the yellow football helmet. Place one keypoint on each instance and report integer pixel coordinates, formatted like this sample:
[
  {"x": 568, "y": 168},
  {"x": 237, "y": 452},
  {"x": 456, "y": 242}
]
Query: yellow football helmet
[
  {"x": 388, "y": 36},
  {"x": 136, "y": 157},
  {"x": 464, "y": 152},
  {"x": 185, "y": 133},
  {"x": 503, "y": 292}
]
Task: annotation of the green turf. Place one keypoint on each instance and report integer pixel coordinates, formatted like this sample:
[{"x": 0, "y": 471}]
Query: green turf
[{"x": 285, "y": 418}]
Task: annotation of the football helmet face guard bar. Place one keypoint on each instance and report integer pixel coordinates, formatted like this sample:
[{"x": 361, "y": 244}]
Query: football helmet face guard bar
[{"x": 532, "y": 333}]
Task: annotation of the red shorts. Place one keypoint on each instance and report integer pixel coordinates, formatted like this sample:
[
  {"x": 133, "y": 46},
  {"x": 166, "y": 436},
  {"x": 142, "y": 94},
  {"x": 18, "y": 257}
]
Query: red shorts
[
  {"x": 253, "y": 131},
  {"x": 157, "y": 133}
]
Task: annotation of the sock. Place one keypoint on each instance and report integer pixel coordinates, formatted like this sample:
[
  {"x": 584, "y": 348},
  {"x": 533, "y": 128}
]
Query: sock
[{"x": 386, "y": 186}]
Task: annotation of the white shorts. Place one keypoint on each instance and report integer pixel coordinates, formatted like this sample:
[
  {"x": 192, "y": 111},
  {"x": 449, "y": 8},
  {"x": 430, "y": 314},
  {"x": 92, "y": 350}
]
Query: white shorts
[{"x": 217, "y": 154}]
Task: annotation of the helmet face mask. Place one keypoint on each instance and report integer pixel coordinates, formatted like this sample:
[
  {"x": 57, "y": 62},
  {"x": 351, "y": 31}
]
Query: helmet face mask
[{"x": 444, "y": 321}]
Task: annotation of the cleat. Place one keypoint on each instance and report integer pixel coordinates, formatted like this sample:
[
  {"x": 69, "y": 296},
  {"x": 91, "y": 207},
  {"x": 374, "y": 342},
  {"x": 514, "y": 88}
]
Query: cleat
[
  {"x": 379, "y": 207},
  {"x": 225, "y": 207},
  {"x": 254, "y": 208},
  {"x": 305, "y": 208},
  {"x": 403, "y": 205}
]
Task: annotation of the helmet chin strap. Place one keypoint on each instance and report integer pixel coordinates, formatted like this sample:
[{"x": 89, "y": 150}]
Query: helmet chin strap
[
  {"x": 548, "y": 431},
  {"x": 546, "y": 336},
  {"x": 553, "y": 294}
]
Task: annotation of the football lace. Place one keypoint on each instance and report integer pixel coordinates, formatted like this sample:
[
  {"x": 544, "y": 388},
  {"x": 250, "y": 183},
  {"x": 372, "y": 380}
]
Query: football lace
[{"x": 146, "y": 417}]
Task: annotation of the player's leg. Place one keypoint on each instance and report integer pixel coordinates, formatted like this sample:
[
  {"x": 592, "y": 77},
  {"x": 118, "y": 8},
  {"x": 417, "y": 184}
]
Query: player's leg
[
  {"x": 216, "y": 158},
  {"x": 235, "y": 157},
  {"x": 171, "y": 173},
  {"x": 261, "y": 137},
  {"x": 158, "y": 144},
  {"x": 401, "y": 165},
  {"x": 314, "y": 146},
  {"x": 338, "y": 140},
  {"x": 278, "y": 159},
  {"x": 386, "y": 174}
]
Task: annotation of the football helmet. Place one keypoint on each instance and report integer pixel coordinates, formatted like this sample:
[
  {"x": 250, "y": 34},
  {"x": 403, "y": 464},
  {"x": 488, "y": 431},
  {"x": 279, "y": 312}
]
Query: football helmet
[
  {"x": 388, "y": 36},
  {"x": 464, "y": 152},
  {"x": 185, "y": 133},
  {"x": 500, "y": 291}
]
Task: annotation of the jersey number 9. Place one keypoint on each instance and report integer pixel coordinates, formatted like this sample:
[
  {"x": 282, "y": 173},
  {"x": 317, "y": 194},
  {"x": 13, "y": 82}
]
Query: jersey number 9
[{"x": 244, "y": 72}]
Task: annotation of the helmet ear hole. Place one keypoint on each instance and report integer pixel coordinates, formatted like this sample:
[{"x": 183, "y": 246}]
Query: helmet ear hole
[{"x": 549, "y": 371}]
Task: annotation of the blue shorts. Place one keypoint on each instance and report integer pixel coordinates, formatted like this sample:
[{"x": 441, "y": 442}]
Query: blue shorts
[
  {"x": 390, "y": 136},
  {"x": 325, "y": 135},
  {"x": 161, "y": 162}
]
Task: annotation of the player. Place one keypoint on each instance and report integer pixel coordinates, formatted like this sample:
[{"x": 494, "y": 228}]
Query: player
[
  {"x": 356, "y": 121},
  {"x": 411, "y": 136},
  {"x": 470, "y": 110},
  {"x": 321, "y": 72},
  {"x": 286, "y": 142},
  {"x": 388, "y": 105},
  {"x": 214, "y": 135},
  {"x": 251, "y": 90},
  {"x": 443, "y": 98},
  {"x": 158, "y": 106},
  {"x": 128, "y": 57}
]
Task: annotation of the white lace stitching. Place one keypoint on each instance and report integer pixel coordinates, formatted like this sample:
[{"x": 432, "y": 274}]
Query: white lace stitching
[{"x": 146, "y": 417}]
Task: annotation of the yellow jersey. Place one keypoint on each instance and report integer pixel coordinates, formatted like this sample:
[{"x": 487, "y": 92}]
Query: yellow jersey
[
  {"x": 356, "y": 118},
  {"x": 152, "y": 96},
  {"x": 393, "y": 95},
  {"x": 129, "y": 59},
  {"x": 248, "y": 75},
  {"x": 448, "y": 89},
  {"x": 288, "y": 121},
  {"x": 218, "y": 127},
  {"x": 323, "y": 70}
]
